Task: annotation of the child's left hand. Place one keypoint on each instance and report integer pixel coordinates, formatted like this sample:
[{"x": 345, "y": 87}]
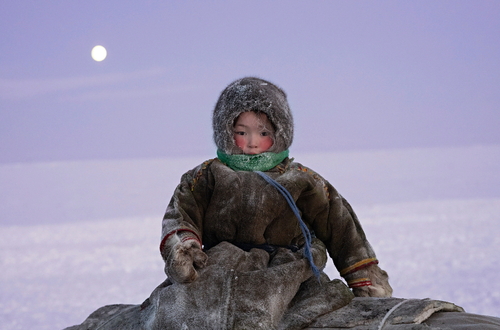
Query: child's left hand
[{"x": 183, "y": 261}]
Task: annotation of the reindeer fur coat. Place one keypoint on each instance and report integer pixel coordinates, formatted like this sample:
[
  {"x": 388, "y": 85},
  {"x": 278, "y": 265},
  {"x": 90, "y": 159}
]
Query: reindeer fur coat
[{"x": 215, "y": 204}]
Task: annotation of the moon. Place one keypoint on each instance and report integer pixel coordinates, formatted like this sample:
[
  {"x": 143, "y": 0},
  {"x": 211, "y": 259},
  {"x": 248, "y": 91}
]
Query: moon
[{"x": 99, "y": 53}]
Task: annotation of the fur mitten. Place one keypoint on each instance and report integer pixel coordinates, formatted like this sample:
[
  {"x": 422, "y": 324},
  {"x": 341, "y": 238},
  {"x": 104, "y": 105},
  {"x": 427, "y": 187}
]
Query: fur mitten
[{"x": 183, "y": 256}]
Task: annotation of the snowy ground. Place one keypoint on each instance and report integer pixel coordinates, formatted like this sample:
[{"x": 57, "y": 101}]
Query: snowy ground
[{"x": 75, "y": 236}]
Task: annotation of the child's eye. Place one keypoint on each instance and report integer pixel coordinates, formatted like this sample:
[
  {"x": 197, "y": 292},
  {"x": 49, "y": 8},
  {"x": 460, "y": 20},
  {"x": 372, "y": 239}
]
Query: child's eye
[
  {"x": 265, "y": 134},
  {"x": 239, "y": 133}
]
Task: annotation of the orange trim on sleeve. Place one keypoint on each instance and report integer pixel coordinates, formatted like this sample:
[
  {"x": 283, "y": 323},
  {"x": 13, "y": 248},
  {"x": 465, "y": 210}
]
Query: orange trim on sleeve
[{"x": 359, "y": 265}]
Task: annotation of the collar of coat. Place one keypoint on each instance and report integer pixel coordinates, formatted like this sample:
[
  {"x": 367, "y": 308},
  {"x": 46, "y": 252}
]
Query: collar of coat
[{"x": 261, "y": 162}]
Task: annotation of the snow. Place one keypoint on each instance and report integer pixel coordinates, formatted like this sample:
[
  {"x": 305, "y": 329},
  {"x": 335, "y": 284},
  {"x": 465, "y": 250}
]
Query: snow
[{"x": 75, "y": 236}]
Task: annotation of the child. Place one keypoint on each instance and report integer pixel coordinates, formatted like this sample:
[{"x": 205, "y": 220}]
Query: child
[
  {"x": 227, "y": 200},
  {"x": 245, "y": 233}
]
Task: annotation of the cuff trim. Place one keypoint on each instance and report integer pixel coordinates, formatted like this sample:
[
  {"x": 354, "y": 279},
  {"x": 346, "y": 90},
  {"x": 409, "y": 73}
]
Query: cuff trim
[
  {"x": 173, "y": 232},
  {"x": 359, "y": 282},
  {"x": 359, "y": 265}
]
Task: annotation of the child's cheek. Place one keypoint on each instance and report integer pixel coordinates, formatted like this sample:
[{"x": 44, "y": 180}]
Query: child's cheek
[
  {"x": 240, "y": 141},
  {"x": 267, "y": 143}
]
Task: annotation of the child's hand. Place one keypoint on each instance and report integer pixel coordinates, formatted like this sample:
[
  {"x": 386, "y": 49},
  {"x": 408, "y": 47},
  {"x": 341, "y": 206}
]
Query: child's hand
[
  {"x": 378, "y": 286},
  {"x": 183, "y": 261}
]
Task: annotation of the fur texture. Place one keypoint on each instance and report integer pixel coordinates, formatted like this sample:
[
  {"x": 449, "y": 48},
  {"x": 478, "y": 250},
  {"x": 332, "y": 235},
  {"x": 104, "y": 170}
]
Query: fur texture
[{"x": 183, "y": 261}]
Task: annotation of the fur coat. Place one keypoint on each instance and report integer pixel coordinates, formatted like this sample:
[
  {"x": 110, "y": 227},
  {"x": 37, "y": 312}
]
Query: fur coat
[{"x": 216, "y": 204}]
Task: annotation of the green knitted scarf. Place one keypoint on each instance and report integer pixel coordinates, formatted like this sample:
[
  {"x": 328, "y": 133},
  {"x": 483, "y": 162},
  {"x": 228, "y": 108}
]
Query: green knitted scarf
[{"x": 261, "y": 162}]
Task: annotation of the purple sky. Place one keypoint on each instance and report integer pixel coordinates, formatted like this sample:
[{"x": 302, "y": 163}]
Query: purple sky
[{"x": 359, "y": 74}]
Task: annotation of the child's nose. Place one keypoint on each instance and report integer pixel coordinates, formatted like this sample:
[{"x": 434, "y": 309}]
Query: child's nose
[{"x": 254, "y": 140}]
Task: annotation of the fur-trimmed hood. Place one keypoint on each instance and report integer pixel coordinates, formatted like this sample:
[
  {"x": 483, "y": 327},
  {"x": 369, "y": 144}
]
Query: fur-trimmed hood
[{"x": 252, "y": 94}]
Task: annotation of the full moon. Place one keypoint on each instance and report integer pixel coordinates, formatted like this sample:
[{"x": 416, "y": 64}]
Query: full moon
[{"x": 99, "y": 53}]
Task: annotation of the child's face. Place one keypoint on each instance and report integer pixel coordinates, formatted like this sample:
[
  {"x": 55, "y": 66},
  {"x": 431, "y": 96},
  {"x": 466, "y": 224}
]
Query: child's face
[{"x": 253, "y": 133}]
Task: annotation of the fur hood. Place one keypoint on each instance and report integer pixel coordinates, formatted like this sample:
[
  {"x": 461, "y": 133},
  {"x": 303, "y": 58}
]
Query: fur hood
[{"x": 252, "y": 94}]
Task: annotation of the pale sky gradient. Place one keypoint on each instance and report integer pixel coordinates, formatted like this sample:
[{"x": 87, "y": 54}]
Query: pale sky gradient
[{"x": 359, "y": 74}]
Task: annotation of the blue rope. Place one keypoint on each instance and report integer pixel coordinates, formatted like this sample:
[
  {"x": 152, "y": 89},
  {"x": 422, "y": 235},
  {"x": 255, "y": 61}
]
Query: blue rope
[{"x": 305, "y": 231}]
